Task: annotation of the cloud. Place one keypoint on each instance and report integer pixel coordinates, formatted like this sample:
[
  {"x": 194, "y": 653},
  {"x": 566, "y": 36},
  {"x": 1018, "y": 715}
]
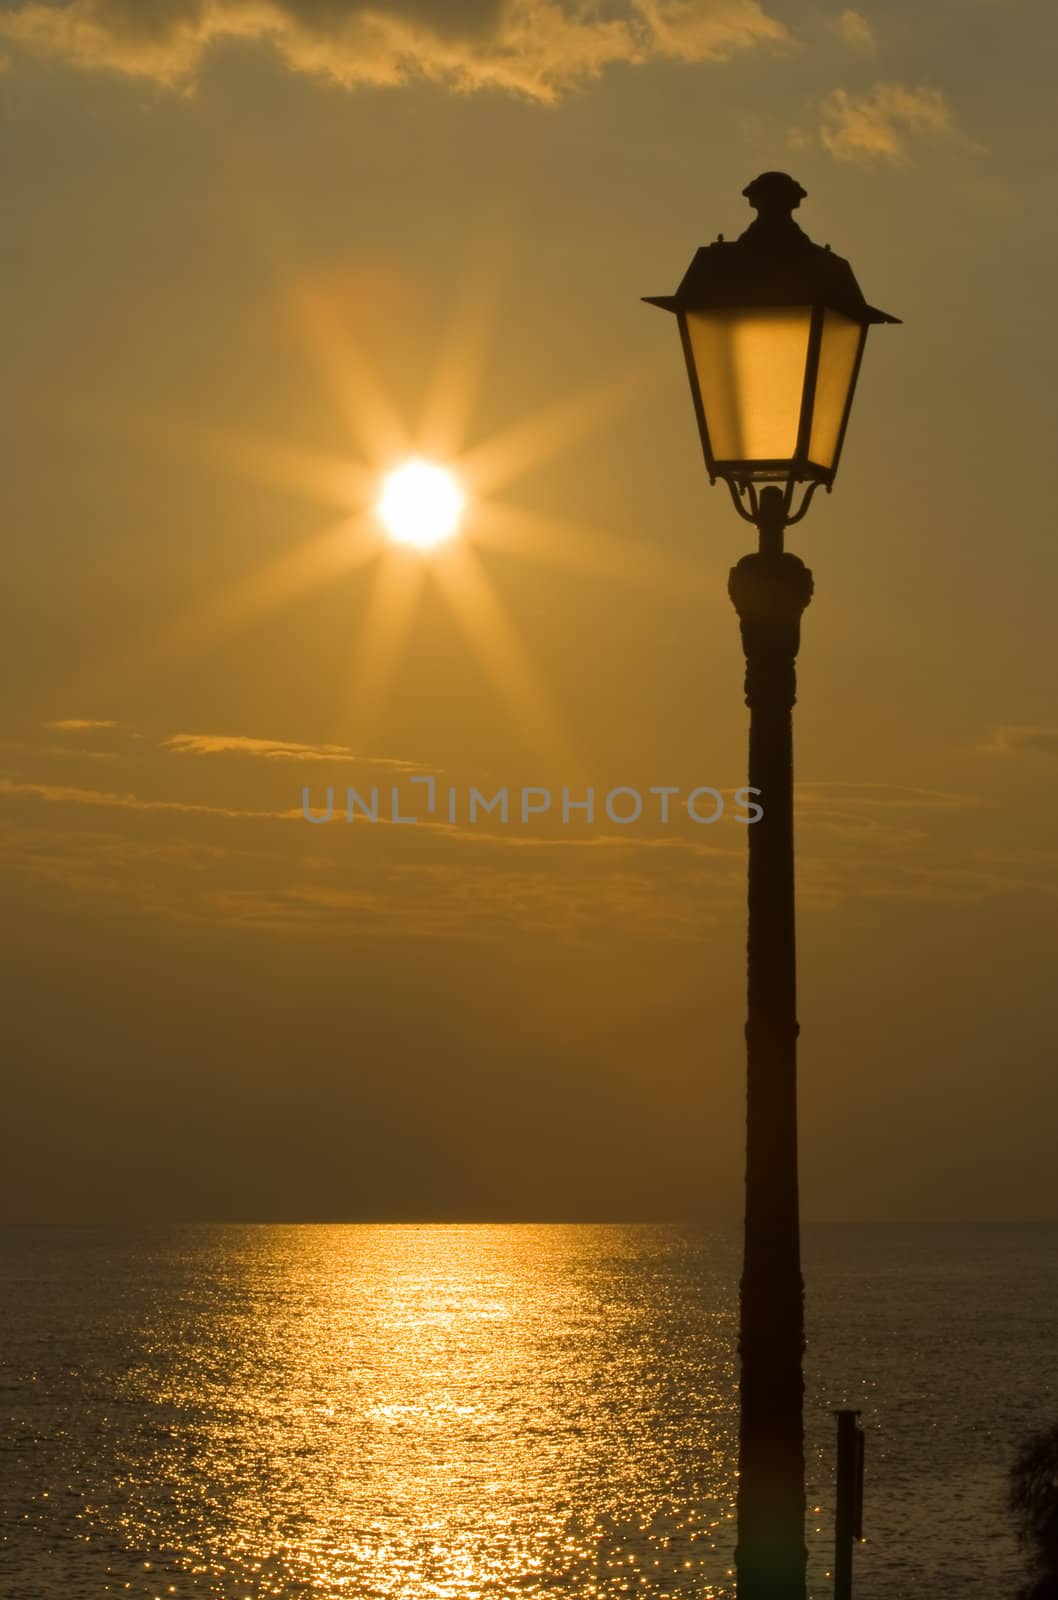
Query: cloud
[
  {"x": 877, "y": 125},
  {"x": 72, "y": 794},
  {"x": 855, "y": 31},
  {"x": 57, "y": 752},
  {"x": 95, "y": 861},
  {"x": 214, "y": 744},
  {"x": 1014, "y": 737},
  {"x": 826, "y": 884},
  {"x": 79, "y": 724},
  {"x": 468, "y": 904},
  {"x": 881, "y": 796},
  {"x": 699, "y": 30},
  {"x": 169, "y": 859},
  {"x": 214, "y": 862},
  {"x": 210, "y": 859},
  {"x": 533, "y": 48},
  {"x": 332, "y": 832}
]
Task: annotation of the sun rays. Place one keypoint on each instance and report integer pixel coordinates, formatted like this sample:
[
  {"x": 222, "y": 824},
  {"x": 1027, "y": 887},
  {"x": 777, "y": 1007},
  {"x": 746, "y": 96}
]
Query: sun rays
[{"x": 417, "y": 482}]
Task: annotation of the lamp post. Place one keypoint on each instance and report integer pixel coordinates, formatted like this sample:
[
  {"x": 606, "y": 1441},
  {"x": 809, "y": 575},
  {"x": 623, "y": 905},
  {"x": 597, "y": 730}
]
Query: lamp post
[{"x": 773, "y": 329}]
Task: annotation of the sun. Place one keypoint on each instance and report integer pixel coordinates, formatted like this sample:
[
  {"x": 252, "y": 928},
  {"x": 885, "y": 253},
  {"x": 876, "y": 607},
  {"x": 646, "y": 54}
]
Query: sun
[
  {"x": 421, "y": 504},
  {"x": 403, "y": 490}
]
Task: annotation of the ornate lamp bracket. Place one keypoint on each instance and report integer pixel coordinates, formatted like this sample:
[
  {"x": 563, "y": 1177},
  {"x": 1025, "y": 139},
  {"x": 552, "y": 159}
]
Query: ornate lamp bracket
[
  {"x": 769, "y": 511},
  {"x": 744, "y": 499},
  {"x": 806, "y": 501}
]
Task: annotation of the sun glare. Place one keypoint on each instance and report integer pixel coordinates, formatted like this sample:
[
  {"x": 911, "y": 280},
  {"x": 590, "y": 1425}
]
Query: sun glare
[
  {"x": 387, "y": 495},
  {"x": 421, "y": 504}
]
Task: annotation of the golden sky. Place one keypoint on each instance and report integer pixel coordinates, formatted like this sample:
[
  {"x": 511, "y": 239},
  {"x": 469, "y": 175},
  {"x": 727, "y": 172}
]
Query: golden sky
[{"x": 257, "y": 252}]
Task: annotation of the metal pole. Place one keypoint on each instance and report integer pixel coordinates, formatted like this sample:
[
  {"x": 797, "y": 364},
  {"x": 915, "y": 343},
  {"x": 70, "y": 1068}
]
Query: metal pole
[
  {"x": 770, "y": 590},
  {"x": 848, "y": 1520}
]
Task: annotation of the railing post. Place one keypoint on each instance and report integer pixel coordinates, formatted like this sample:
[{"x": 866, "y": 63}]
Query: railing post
[{"x": 848, "y": 1521}]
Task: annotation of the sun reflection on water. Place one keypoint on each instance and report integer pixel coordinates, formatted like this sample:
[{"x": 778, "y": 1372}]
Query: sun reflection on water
[
  {"x": 320, "y": 1412},
  {"x": 440, "y": 1412}
]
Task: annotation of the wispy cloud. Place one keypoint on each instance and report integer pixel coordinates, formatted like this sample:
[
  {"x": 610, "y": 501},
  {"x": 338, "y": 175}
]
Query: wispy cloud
[
  {"x": 237, "y": 744},
  {"x": 211, "y": 859},
  {"x": 72, "y": 794},
  {"x": 534, "y": 48},
  {"x": 855, "y": 31},
  {"x": 879, "y": 125},
  {"x": 468, "y": 905},
  {"x": 881, "y": 797},
  {"x": 221, "y": 864},
  {"x": 152, "y": 872},
  {"x": 400, "y": 887},
  {"x": 482, "y": 840},
  {"x": 1016, "y": 737},
  {"x": 826, "y": 884},
  {"x": 80, "y": 724}
]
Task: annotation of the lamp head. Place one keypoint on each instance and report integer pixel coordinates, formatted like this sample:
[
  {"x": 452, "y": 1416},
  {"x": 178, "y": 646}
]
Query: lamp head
[{"x": 773, "y": 328}]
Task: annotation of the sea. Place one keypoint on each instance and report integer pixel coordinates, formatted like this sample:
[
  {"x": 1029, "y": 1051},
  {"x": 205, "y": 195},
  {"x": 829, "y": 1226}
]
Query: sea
[{"x": 455, "y": 1412}]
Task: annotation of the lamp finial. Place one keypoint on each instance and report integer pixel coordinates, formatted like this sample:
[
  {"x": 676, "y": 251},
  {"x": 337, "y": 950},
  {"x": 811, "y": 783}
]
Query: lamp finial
[{"x": 774, "y": 194}]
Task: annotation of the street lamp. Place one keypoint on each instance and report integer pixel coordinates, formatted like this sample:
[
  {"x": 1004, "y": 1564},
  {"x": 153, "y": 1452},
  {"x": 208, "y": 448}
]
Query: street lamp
[{"x": 773, "y": 329}]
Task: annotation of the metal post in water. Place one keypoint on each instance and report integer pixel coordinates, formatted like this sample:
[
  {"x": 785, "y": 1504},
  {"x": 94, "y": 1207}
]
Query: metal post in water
[{"x": 848, "y": 1522}]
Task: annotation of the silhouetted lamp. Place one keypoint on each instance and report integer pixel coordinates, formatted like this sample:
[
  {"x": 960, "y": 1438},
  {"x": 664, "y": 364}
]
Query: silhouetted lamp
[{"x": 773, "y": 329}]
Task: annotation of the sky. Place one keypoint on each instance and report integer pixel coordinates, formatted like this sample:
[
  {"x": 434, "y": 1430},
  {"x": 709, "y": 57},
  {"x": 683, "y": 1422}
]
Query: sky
[{"x": 256, "y": 254}]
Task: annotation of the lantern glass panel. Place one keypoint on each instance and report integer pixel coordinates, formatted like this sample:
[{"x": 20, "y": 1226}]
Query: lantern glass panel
[
  {"x": 838, "y": 350},
  {"x": 750, "y": 364}
]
